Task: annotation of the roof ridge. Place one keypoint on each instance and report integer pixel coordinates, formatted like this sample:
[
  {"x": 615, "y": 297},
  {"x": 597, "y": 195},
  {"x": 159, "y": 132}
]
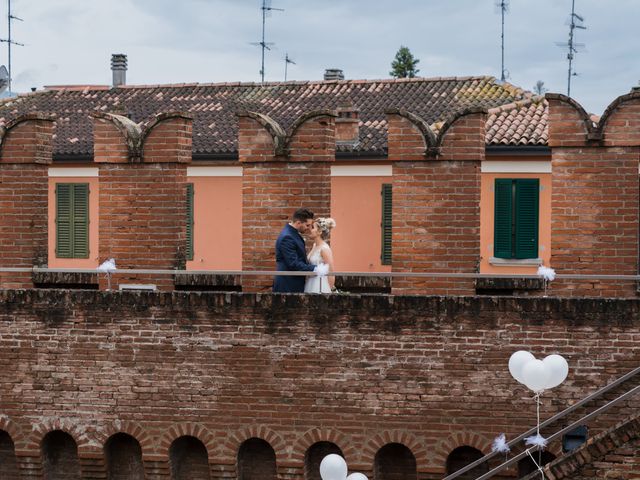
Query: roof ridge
[{"x": 270, "y": 84}]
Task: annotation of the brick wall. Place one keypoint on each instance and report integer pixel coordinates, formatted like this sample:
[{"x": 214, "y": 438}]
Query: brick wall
[
  {"x": 143, "y": 210},
  {"x": 436, "y": 204},
  {"x": 274, "y": 187},
  {"x": 595, "y": 199},
  {"x": 360, "y": 372},
  {"x": 24, "y": 156}
]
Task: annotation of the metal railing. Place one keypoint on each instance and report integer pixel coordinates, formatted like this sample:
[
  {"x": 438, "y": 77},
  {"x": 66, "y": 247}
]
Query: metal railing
[
  {"x": 147, "y": 271},
  {"x": 552, "y": 420}
]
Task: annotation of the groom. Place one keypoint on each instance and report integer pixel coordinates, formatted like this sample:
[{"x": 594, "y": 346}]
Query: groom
[{"x": 291, "y": 254}]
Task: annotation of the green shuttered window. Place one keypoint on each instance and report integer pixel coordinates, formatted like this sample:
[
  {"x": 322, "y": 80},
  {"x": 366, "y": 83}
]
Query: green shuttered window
[
  {"x": 189, "y": 221},
  {"x": 516, "y": 218},
  {"x": 385, "y": 255},
  {"x": 72, "y": 220}
]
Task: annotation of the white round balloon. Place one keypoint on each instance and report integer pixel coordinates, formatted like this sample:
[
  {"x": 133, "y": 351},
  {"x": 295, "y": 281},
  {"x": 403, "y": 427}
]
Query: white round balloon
[
  {"x": 333, "y": 467},
  {"x": 357, "y": 476},
  {"x": 559, "y": 369},
  {"x": 517, "y": 361},
  {"x": 536, "y": 375}
]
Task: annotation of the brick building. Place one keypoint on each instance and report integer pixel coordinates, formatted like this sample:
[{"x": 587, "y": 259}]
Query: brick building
[{"x": 452, "y": 175}]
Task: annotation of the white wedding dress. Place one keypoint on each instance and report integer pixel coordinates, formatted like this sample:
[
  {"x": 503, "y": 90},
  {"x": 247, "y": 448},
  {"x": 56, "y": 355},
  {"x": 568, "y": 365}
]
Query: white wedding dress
[{"x": 317, "y": 284}]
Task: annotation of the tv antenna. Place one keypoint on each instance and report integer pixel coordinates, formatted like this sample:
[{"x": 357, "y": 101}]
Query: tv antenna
[
  {"x": 266, "y": 11},
  {"x": 287, "y": 61},
  {"x": 575, "y": 21},
  {"x": 9, "y": 40},
  {"x": 503, "y": 5}
]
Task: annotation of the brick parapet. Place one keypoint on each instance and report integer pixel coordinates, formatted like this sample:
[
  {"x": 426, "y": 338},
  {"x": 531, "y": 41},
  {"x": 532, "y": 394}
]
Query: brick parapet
[
  {"x": 142, "y": 197},
  {"x": 358, "y": 370},
  {"x": 595, "y": 196},
  {"x": 25, "y": 154},
  {"x": 436, "y": 203},
  {"x": 273, "y": 187}
]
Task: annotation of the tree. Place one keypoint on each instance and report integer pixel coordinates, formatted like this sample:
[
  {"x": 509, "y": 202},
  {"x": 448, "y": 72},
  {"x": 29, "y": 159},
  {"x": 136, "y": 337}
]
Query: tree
[
  {"x": 404, "y": 65},
  {"x": 539, "y": 88}
]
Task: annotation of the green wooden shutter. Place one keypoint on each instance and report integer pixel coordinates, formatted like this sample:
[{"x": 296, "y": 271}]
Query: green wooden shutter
[
  {"x": 72, "y": 220},
  {"x": 63, "y": 220},
  {"x": 189, "y": 221},
  {"x": 503, "y": 218},
  {"x": 526, "y": 213},
  {"x": 386, "y": 224},
  {"x": 80, "y": 220}
]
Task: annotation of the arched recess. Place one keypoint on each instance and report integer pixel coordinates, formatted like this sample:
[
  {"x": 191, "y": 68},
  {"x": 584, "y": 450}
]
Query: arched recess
[
  {"x": 314, "y": 455},
  {"x": 463, "y": 456},
  {"x": 526, "y": 465},
  {"x": 60, "y": 456},
  {"x": 189, "y": 459},
  {"x": 8, "y": 464},
  {"x": 394, "y": 461},
  {"x": 124, "y": 458},
  {"x": 256, "y": 460}
]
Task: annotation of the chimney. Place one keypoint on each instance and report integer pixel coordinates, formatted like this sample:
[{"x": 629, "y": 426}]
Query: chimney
[
  {"x": 333, "y": 74},
  {"x": 119, "y": 69},
  {"x": 347, "y": 125}
]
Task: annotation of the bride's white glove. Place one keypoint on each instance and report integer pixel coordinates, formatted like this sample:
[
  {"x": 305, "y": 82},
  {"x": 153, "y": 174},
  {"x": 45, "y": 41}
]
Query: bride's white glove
[{"x": 321, "y": 270}]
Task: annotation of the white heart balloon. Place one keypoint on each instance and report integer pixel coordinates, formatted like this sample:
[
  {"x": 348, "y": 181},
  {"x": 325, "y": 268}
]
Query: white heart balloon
[
  {"x": 357, "y": 476},
  {"x": 536, "y": 375},
  {"x": 516, "y": 363},
  {"x": 559, "y": 369},
  {"x": 333, "y": 467}
]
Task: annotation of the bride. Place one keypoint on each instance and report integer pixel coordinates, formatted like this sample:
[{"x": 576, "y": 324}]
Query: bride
[{"x": 320, "y": 254}]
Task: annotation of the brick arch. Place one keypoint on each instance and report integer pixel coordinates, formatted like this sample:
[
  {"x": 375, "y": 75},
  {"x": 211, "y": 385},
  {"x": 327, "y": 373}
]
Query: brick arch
[
  {"x": 130, "y": 428},
  {"x": 42, "y": 147},
  {"x": 450, "y": 122},
  {"x": 9, "y": 426},
  {"x": 149, "y": 127},
  {"x": 315, "y": 435},
  {"x": 429, "y": 137},
  {"x": 235, "y": 439},
  {"x": 460, "y": 439},
  {"x": 190, "y": 429},
  {"x": 131, "y": 132},
  {"x": 304, "y": 118},
  {"x": 273, "y": 128},
  {"x": 77, "y": 432},
  {"x": 379, "y": 440},
  {"x": 591, "y": 131},
  {"x": 630, "y": 99}
]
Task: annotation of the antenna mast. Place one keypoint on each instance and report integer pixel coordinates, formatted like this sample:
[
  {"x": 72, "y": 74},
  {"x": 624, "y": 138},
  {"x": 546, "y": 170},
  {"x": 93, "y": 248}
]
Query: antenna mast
[
  {"x": 503, "y": 5},
  {"x": 9, "y": 41},
  {"x": 575, "y": 21},
  {"x": 287, "y": 61},
  {"x": 266, "y": 9}
]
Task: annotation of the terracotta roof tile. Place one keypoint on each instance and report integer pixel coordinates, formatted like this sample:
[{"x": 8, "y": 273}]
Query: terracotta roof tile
[{"x": 515, "y": 117}]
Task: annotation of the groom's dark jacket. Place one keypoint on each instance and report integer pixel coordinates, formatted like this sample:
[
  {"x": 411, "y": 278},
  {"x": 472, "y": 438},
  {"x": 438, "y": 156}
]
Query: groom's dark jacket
[{"x": 290, "y": 256}]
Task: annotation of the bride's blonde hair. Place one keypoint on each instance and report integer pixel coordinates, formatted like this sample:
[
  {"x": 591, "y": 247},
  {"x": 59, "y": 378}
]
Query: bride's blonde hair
[{"x": 325, "y": 225}]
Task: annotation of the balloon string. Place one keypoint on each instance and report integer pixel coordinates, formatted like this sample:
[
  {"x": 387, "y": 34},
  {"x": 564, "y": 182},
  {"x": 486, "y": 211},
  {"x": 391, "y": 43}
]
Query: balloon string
[{"x": 539, "y": 462}]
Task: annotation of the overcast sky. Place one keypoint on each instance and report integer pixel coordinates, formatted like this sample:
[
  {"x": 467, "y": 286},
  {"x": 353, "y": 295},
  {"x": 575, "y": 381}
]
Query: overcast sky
[{"x": 175, "y": 41}]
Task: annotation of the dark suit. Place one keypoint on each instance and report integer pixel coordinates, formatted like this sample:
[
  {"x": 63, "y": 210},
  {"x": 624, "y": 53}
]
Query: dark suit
[{"x": 290, "y": 256}]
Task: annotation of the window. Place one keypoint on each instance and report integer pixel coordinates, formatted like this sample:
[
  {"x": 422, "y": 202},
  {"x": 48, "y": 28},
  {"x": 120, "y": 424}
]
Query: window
[
  {"x": 516, "y": 218},
  {"x": 72, "y": 220},
  {"x": 189, "y": 221},
  {"x": 385, "y": 255}
]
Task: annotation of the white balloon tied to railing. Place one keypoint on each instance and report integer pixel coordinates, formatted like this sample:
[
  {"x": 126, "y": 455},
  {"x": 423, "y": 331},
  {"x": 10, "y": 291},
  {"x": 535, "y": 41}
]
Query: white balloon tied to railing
[
  {"x": 334, "y": 467},
  {"x": 538, "y": 376}
]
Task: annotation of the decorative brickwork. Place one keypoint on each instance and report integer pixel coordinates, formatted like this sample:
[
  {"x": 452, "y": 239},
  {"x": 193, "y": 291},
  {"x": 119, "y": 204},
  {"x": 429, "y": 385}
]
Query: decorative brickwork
[
  {"x": 274, "y": 186},
  {"x": 143, "y": 212},
  {"x": 25, "y": 153},
  {"x": 595, "y": 197},
  {"x": 361, "y": 372},
  {"x": 436, "y": 203}
]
